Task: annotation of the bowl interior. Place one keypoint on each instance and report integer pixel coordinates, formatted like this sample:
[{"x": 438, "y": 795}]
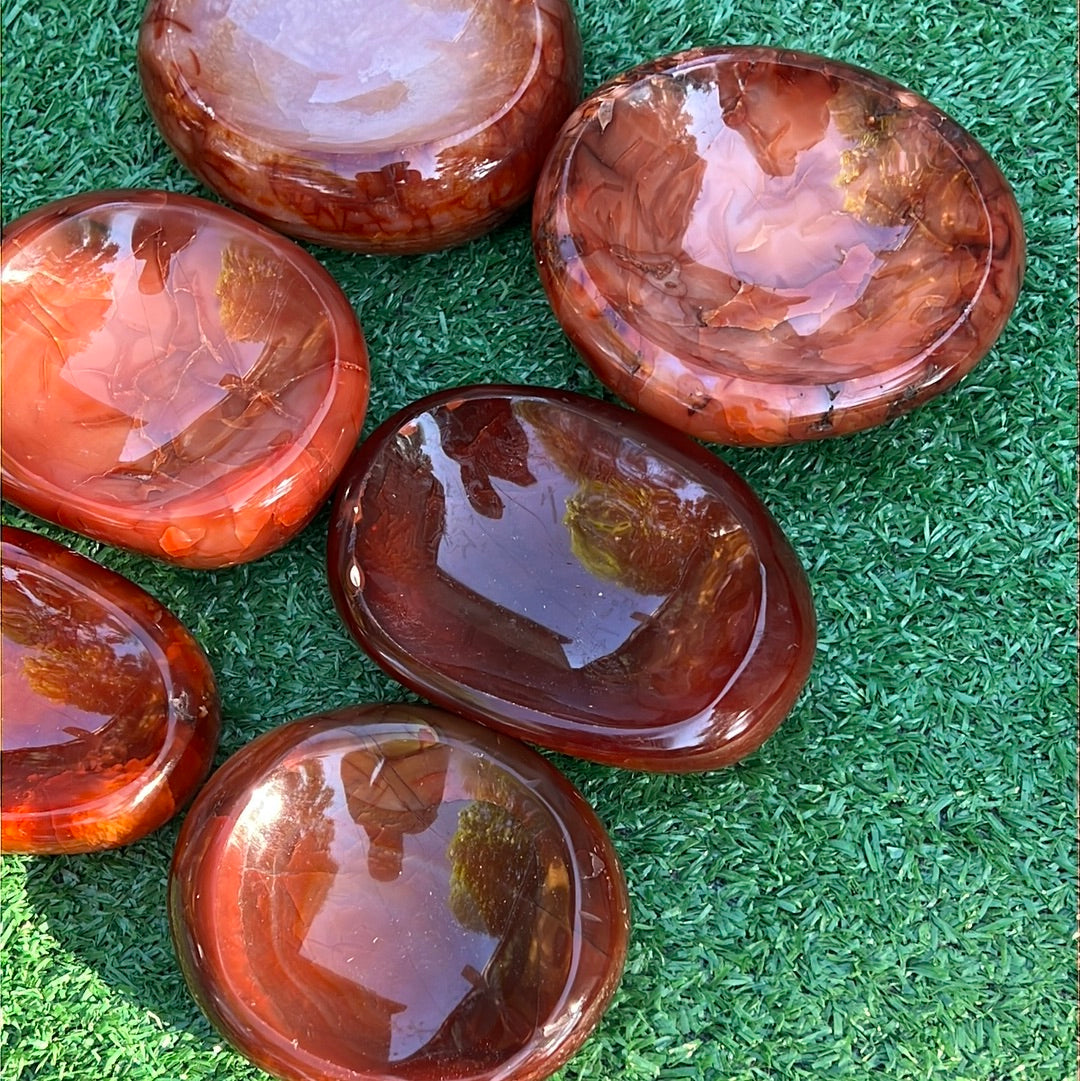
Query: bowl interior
[{"x": 794, "y": 222}]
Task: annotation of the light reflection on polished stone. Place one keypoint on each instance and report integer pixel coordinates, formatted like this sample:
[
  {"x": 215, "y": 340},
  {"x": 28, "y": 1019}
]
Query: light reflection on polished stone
[
  {"x": 760, "y": 246},
  {"x": 573, "y": 574},
  {"x": 177, "y": 380},
  {"x": 109, "y": 707},
  {"x": 392, "y": 127},
  {"x": 399, "y": 893}
]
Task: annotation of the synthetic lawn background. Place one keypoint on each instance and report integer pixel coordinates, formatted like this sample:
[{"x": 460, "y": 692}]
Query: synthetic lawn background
[{"x": 887, "y": 886}]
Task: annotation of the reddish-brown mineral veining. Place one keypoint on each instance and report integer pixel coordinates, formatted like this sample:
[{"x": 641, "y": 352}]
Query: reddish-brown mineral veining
[
  {"x": 109, "y": 709},
  {"x": 574, "y": 574},
  {"x": 765, "y": 247},
  {"x": 402, "y": 126},
  {"x": 390, "y": 892},
  {"x": 176, "y": 379}
]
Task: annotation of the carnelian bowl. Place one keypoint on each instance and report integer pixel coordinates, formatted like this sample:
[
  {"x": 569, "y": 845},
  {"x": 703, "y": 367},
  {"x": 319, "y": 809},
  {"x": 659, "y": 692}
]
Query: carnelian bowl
[{"x": 762, "y": 247}]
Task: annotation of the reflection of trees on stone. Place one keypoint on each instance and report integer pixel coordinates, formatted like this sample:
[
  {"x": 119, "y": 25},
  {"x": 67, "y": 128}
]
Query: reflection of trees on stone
[
  {"x": 486, "y": 440},
  {"x": 155, "y": 239},
  {"x": 493, "y": 864},
  {"x": 899, "y": 177},
  {"x": 496, "y": 855},
  {"x": 77, "y": 656},
  {"x": 629, "y": 523},
  {"x": 638, "y": 523},
  {"x": 110, "y": 714},
  {"x": 391, "y": 790},
  {"x": 55, "y": 304},
  {"x": 688, "y": 548},
  {"x": 260, "y": 301},
  {"x": 265, "y": 300},
  {"x": 901, "y": 171},
  {"x": 509, "y": 880},
  {"x": 633, "y": 533},
  {"x": 891, "y": 234},
  {"x": 250, "y": 290},
  {"x": 884, "y": 182}
]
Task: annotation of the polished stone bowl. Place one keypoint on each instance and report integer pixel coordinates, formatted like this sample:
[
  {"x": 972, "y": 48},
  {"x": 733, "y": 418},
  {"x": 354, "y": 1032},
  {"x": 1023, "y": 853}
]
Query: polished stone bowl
[
  {"x": 760, "y": 246},
  {"x": 391, "y": 893},
  {"x": 402, "y": 126},
  {"x": 110, "y": 713},
  {"x": 176, "y": 379},
  {"x": 573, "y": 574}
]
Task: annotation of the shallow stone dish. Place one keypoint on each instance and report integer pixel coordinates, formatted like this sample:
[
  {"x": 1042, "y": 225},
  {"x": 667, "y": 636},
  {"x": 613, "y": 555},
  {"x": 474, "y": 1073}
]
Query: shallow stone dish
[
  {"x": 574, "y": 574},
  {"x": 390, "y": 892},
  {"x": 398, "y": 126},
  {"x": 109, "y": 711},
  {"x": 760, "y": 246},
  {"x": 177, "y": 380}
]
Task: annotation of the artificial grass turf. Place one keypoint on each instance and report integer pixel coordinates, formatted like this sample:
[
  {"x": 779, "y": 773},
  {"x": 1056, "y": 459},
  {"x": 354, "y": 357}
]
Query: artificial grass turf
[{"x": 887, "y": 886}]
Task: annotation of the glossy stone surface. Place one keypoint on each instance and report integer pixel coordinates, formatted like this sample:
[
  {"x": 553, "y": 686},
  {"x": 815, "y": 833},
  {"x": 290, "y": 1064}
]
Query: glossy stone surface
[
  {"x": 766, "y": 247},
  {"x": 402, "y": 126},
  {"x": 390, "y": 892},
  {"x": 574, "y": 574},
  {"x": 108, "y": 709},
  {"x": 176, "y": 379}
]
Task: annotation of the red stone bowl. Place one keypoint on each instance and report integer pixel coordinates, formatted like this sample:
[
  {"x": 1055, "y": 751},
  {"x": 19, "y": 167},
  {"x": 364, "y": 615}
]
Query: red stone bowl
[
  {"x": 389, "y": 893},
  {"x": 176, "y": 379},
  {"x": 760, "y": 247},
  {"x": 109, "y": 711},
  {"x": 397, "y": 126},
  {"x": 573, "y": 574}
]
